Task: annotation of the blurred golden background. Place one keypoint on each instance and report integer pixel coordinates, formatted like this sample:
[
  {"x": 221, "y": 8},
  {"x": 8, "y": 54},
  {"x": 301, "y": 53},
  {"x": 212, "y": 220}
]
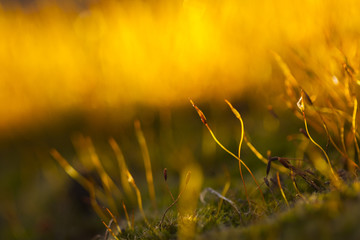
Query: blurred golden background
[
  {"x": 92, "y": 67},
  {"x": 61, "y": 55}
]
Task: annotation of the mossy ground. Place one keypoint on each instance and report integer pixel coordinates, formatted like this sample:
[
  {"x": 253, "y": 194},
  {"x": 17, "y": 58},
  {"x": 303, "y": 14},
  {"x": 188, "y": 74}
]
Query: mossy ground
[{"x": 327, "y": 215}]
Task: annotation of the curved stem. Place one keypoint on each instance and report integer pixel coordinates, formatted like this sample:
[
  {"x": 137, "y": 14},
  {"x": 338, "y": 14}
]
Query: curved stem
[
  {"x": 236, "y": 157},
  {"x": 302, "y": 108}
]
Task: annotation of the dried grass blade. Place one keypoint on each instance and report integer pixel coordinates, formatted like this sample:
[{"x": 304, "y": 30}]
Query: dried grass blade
[
  {"x": 281, "y": 189},
  {"x": 147, "y": 162}
]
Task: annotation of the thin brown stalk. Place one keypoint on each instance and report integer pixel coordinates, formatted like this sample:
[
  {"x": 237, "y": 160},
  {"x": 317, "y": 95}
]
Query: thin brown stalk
[
  {"x": 94, "y": 203},
  {"x": 342, "y": 136},
  {"x": 115, "y": 221},
  {"x": 127, "y": 216},
  {"x": 203, "y": 119},
  {"x": 281, "y": 189},
  {"x": 166, "y": 184},
  {"x": 132, "y": 218},
  {"x": 292, "y": 176},
  {"x": 147, "y": 162},
  {"x": 238, "y": 116},
  {"x": 354, "y": 128},
  {"x": 138, "y": 196},
  {"x": 343, "y": 153},
  {"x": 110, "y": 230},
  {"x": 122, "y": 167},
  {"x": 301, "y": 106},
  {"x": 187, "y": 179},
  {"x": 107, "y": 182}
]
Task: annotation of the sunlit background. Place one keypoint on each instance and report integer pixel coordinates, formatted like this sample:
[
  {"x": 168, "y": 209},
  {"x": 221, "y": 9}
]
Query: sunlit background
[
  {"x": 57, "y": 56},
  {"x": 93, "y": 67}
]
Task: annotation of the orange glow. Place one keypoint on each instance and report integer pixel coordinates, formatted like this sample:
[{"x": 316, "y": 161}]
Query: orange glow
[{"x": 124, "y": 52}]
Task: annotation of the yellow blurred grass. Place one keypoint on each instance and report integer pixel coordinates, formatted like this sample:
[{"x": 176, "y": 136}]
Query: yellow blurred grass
[{"x": 115, "y": 53}]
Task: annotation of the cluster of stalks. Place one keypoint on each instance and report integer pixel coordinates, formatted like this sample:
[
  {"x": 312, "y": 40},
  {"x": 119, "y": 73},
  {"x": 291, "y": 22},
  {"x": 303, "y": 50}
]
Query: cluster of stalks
[
  {"x": 109, "y": 193},
  {"x": 104, "y": 194},
  {"x": 321, "y": 168},
  {"x": 312, "y": 168}
]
